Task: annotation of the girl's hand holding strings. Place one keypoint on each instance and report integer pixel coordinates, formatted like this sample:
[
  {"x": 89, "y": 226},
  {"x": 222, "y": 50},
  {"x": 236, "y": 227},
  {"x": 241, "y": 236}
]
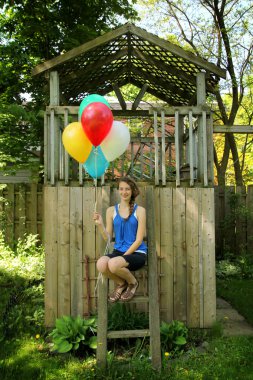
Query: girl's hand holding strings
[{"x": 97, "y": 219}]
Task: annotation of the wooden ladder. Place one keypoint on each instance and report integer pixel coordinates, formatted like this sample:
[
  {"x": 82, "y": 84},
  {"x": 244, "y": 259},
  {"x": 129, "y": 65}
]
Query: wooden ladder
[{"x": 153, "y": 300}]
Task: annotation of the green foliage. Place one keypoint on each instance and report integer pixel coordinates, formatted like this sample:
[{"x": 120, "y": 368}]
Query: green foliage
[
  {"x": 239, "y": 293},
  {"x": 225, "y": 359},
  {"x": 70, "y": 333},
  {"x": 173, "y": 336},
  {"x": 121, "y": 317},
  {"x": 31, "y": 32},
  {"x": 235, "y": 267},
  {"x": 20, "y": 136},
  {"x": 22, "y": 289}
]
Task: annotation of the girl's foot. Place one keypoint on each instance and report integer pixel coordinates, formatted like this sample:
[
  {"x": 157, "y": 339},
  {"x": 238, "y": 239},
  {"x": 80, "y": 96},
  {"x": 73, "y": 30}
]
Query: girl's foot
[
  {"x": 130, "y": 292},
  {"x": 116, "y": 294}
]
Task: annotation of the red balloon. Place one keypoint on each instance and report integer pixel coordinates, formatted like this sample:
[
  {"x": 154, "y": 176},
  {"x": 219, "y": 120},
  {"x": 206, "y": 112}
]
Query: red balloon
[{"x": 96, "y": 119}]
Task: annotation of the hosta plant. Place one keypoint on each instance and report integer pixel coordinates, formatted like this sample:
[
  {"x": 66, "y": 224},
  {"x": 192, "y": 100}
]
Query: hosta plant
[
  {"x": 173, "y": 336},
  {"x": 70, "y": 333}
]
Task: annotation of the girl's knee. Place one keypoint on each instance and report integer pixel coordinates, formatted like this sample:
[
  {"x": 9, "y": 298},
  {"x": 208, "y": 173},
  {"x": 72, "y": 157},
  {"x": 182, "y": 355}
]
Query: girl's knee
[
  {"x": 102, "y": 264},
  {"x": 115, "y": 264}
]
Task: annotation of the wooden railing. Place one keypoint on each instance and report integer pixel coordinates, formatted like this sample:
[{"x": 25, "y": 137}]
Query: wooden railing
[{"x": 184, "y": 153}]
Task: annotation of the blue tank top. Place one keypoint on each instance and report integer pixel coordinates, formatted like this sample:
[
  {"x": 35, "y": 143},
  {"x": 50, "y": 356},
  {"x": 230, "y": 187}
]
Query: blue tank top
[{"x": 125, "y": 231}]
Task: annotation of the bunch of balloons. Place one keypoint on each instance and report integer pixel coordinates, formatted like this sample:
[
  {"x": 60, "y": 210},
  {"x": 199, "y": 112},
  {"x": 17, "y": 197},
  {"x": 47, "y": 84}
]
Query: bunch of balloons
[{"x": 97, "y": 139}]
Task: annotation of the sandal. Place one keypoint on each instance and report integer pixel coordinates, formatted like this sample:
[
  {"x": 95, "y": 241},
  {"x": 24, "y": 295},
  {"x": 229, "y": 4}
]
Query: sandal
[
  {"x": 116, "y": 294},
  {"x": 130, "y": 292}
]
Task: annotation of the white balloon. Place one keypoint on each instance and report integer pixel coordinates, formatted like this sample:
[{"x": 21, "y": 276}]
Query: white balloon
[{"x": 116, "y": 142}]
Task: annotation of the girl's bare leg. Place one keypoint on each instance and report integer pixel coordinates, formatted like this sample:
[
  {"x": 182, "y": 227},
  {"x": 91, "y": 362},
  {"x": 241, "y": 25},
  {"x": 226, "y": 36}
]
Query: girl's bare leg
[
  {"x": 118, "y": 267},
  {"x": 115, "y": 269},
  {"x": 102, "y": 266}
]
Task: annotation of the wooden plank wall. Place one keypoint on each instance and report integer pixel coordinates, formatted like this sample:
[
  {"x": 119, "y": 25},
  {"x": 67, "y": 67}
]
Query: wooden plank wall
[
  {"x": 185, "y": 246},
  {"x": 21, "y": 210}
]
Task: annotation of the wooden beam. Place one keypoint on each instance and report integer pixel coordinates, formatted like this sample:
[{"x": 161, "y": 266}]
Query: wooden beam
[
  {"x": 182, "y": 110},
  {"x": 128, "y": 113},
  {"x": 105, "y": 38},
  {"x": 152, "y": 60},
  {"x": 178, "y": 51},
  {"x": 156, "y": 81},
  {"x": 233, "y": 129},
  {"x": 119, "y": 96},
  {"x": 201, "y": 89},
  {"x": 94, "y": 67},
  {"x": 92, "y": 85},
  {"x": 139, "y": 96},
  {"x": 153, "y": 91},
  {"x": 73, "y": 110}
]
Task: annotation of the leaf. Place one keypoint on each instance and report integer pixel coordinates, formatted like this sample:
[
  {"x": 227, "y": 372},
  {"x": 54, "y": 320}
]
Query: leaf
[
  {"x": 64, "y": 347},
  {"x": 62, "y": 326},
  {"x": 75, "y": 346},
  {"x": 93, "y": 342},
  {"x": 180, "y": 340}
]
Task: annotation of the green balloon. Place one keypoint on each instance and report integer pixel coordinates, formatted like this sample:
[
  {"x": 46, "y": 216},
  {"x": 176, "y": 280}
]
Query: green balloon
[{"x": 91, "y": 99}]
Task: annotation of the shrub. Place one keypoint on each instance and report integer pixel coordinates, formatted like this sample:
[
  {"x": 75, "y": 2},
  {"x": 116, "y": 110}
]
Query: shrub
[
  {"x": 70, "y": 333},
  {"x": 173, "y": 336},
  {"x": 121, "y": 317},
  {"x": 22, "y": 288}
]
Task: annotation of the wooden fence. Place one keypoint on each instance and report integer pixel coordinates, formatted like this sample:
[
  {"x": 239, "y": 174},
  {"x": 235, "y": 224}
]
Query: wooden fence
[
  {"x": 233, "y": 220},
  {"x": 21, "y": 211}
]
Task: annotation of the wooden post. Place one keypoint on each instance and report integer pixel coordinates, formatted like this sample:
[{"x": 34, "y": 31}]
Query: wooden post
[
  {"x": 177, "y": 148},
  {"x": 51, "y": 255},
  {"x": 201, "y": 101},
  {"x": 204, "y": 149},
  {"x": 154, "y": 314},
  {"x": 191, "y": 149},
  {"x": 102, "y": 305},
  {"x": 210, "y": 152},
  {"x": 66, "y": 155},
  {"x": 156, "y": 149},
  {"x": 76, "y": 247},
  {"x": 163, "y": 149},
  {"x": 54, "y": 127},
  {"x": 46, "y": 150}
]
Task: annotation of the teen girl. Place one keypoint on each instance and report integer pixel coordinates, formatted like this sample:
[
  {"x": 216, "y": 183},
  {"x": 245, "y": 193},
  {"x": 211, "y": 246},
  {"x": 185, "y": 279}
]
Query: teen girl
[{"x": 127, "y": 221}]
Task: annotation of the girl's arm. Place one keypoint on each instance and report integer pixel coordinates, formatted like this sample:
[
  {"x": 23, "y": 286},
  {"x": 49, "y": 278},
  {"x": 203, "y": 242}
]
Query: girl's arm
[
  {"x": 141, "y": 231},
  {"x": 105, "y": 232}
]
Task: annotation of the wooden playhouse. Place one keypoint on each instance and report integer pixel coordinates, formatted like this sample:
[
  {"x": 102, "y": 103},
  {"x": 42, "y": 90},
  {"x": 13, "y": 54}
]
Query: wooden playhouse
[{"x": 171, "y": 151}]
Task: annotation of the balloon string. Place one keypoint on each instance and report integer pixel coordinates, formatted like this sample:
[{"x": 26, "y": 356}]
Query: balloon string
[{"x": 96, "y": 179}]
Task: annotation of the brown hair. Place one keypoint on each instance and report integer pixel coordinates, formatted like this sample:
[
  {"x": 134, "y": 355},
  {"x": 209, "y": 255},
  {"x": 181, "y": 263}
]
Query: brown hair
[{"x": 135, "y": 191}]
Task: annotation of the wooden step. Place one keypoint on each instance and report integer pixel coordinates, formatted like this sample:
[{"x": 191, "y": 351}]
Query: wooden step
[
  {"x": 137, "y": 299},
  {"x": 128, "y": 334}
]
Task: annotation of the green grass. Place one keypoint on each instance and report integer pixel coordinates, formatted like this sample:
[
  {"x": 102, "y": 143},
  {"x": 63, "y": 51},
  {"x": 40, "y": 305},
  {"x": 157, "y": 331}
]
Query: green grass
[
  {"x": 225, "y": 359},
  {"x": 25, "y": 357},
  {"x": 239, "y": 293}
]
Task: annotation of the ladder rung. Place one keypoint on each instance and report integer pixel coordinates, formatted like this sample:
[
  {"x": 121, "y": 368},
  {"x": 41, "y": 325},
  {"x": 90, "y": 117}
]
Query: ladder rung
[
  {"x": 128, "y": 334},
  {"x": 137, "y": 299}
]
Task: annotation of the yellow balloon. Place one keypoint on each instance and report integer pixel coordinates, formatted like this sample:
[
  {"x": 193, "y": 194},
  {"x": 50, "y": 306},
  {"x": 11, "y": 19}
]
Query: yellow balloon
[{"x": 76, "y": 142}]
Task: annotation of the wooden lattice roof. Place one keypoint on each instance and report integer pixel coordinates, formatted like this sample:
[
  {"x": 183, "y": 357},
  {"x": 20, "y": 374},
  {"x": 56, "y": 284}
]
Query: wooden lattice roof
[{"x": 130, "y": 54}]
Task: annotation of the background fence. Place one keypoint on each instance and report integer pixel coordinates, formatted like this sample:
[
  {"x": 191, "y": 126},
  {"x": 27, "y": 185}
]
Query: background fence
[
  {"x": 21, "y": 211},
  {"x": 233, "y": 220}
]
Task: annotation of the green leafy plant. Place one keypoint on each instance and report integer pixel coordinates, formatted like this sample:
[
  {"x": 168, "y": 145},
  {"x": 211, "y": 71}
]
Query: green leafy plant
[
  {"x": 173, "y": 336},
  {"x": 22, "y": 288},
  {"x": 70, "y": 333},
  {"x": 121, "y": 317}
]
